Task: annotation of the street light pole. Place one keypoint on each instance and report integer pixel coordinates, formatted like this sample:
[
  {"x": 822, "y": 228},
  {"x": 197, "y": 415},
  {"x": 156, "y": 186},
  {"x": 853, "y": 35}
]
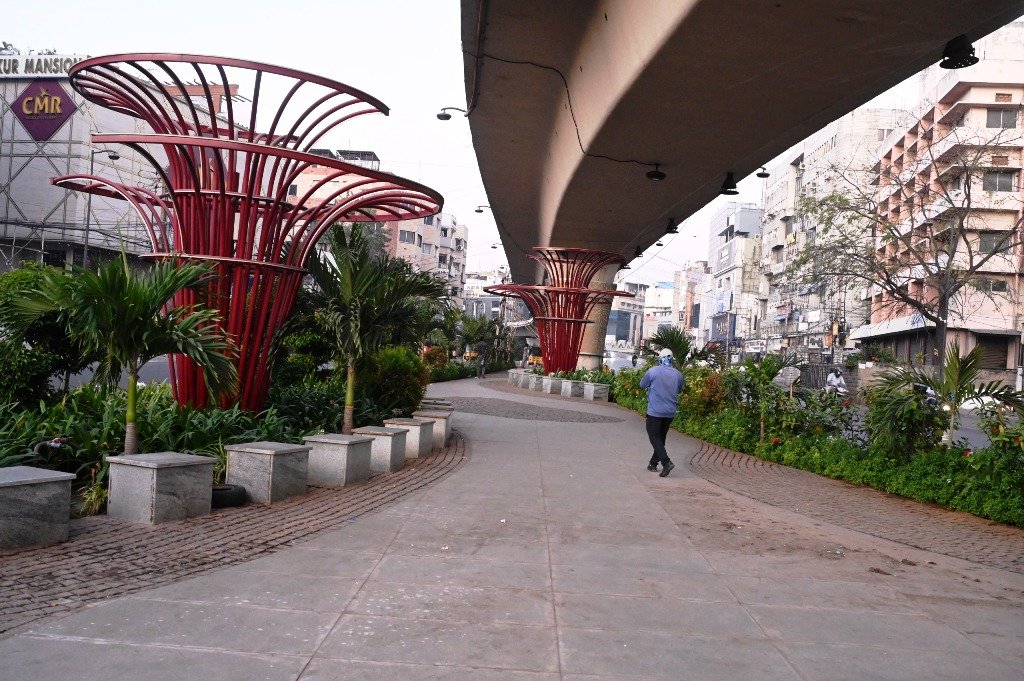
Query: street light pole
[{"x": 113, "y": 156}]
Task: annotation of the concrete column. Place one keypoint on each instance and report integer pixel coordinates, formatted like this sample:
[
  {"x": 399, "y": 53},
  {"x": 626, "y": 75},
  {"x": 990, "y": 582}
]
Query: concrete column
[{"x": 592, "y": 348}]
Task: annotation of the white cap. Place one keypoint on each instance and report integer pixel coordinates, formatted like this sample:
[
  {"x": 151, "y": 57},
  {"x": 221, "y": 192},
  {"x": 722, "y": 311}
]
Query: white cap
[{"x": 665, "y": 353}]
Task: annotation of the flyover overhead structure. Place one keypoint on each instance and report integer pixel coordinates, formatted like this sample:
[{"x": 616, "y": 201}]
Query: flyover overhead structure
[
  {"x": 226, "y": 193},
  {"x": 596, "y": 122},
  {"x": 562, "y": 308}
]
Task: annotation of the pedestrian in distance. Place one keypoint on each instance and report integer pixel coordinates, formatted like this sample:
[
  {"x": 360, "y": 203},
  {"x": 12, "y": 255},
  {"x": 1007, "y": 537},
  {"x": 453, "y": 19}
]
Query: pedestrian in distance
[
  {"x": 663, "y": 383},
  {"x": 481, "y": 358}
]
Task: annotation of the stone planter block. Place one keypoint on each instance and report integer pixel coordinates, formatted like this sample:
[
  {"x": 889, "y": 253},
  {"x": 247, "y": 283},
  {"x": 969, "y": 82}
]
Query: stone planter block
[
  {"x": 387, "y": 452},
  {"x": 159, "y": 487},
  {"x": 572, "y": 388},
  {"x": 551, "y": 385},
  {"x": 432, "y": 406},
  {"x": 436, "y": 400},
  {"x": 419, "y": 441},
  {"x": 595, "y": 391},
  {"x": 337, "y": 460},
  {"x": 269, "y": 471},
  {"x": 536, "y": 382},
  {"x": 442, "y": 425},
  {"x": 35, "y": 506}
]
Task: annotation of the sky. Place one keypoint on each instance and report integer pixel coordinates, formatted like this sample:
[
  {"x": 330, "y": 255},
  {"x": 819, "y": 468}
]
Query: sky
[{"x": 407, "y": 53}]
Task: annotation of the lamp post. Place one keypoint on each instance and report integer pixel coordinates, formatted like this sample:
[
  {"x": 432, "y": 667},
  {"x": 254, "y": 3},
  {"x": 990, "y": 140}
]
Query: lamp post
[{"x": 113, "y": 156}]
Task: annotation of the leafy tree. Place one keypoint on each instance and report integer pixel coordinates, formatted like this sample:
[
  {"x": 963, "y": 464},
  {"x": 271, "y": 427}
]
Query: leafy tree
[
  {"x": 919, "y": 235},
  {"x": 123, "y": 318},
  {"x": 365, "y": 297}
]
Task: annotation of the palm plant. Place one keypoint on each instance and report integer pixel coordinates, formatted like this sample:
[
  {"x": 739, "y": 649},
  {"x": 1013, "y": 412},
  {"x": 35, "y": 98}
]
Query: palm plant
[
  {"x": 681, "y": 345},
  {"x": 954, "y": 386},
  {"x": 124, "y": 319},
  {"x": 365, "y": 298}
]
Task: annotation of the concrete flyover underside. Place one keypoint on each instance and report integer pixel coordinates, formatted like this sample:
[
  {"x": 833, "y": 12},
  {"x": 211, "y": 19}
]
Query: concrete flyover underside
[{"x": 701, "y": 87}]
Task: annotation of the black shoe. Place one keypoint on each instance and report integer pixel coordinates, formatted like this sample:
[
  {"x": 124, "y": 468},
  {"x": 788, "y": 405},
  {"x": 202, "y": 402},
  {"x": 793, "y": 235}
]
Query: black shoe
[
  {"x": 666, "y": 469},
  {"x": 652, "y": 467}
]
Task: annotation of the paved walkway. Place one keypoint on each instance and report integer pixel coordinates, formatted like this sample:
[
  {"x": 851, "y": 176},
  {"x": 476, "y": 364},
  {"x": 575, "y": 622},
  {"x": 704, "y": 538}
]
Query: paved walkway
[{"x": 551, "y": 553}]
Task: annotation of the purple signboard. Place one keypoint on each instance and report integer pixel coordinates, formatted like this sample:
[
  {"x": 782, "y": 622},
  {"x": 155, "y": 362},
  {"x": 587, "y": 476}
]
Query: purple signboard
[{"x": 43, "y": 107}]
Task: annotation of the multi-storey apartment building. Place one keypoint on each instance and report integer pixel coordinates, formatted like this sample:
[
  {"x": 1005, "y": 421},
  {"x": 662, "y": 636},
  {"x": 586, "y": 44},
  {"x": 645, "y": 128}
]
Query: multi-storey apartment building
[
  {"x": 731, "y": 311},
  {"x": 955, "y": 170},
  {"x": 435, "y": 244},
  {"x": 626, "y": 317},
  {"x": 804, "y": 317}
]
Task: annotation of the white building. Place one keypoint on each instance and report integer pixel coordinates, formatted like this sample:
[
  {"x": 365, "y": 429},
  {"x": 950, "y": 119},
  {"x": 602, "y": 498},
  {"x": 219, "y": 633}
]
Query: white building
[
  {"x": 731, "y": 310},
  {"x": 435, "y": 244},
  {"x": 45, "y": 130}
]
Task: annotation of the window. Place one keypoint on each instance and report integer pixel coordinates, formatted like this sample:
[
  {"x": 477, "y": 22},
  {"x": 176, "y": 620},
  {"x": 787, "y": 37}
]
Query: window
[
  {"x": 993, "y": 285},
  {"x": 406, "y": 237},
  {"x": 429, "y": 220},
  {"x": 293, "y": 190},
  {"x": 419, "y": 239},
  {"x": 444, "y": 232},
  {"x": 998, "y": 181},
  {"x": 1001, "y": 118},
  {"x": 442, "y": 259},
  {"x": 988, "y": 241}
]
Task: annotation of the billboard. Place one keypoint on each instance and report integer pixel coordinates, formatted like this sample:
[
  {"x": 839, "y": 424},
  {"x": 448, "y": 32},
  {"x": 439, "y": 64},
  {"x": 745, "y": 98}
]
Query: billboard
[{"x": 43, "y": 107}]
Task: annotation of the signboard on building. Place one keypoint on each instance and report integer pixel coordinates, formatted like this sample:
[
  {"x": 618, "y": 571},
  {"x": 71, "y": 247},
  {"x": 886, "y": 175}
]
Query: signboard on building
[
  {"x": 38, "y": 65},
  {"x": 43, "y": 107},
  {"x": 723, "y": 327}
]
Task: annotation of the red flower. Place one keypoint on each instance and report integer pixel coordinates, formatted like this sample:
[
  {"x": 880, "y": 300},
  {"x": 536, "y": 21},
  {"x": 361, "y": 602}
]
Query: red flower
[
  {"x": 775, "y": 440},
  {"x": 968, "y": 452}
]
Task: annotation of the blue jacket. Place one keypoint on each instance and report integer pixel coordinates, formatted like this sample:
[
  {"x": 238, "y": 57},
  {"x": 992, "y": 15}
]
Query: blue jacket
[{"x": 663, "y": 385}]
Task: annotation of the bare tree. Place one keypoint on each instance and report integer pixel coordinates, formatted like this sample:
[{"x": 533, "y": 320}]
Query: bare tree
[{"x": 935, "y": 232}]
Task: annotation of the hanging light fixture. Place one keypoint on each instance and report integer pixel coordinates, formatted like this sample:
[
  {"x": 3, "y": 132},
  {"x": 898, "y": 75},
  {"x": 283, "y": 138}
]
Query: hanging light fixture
[
  {"x": 729, "y": 186},
  {"x": 763, "y": 173},
  {"x": 624, "y": 266},
  {"x": 639, "y": 253},
  {"x": 480, "y": 209},
  {"x": 443, "y": 115},
  {"x": 671, "y": 228},
  {"x": 659, "y": 244},
  {"x": 656, "y": 175},
  {"x": 958, "y": 53}
]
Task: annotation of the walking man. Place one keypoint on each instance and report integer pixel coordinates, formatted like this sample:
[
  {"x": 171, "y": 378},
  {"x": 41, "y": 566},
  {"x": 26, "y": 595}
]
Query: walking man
[{"x": 663, "y": 383}]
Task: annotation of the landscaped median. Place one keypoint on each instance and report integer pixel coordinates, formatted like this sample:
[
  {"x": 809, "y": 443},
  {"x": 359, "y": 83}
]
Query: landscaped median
[{"x": 743, "y": 410}]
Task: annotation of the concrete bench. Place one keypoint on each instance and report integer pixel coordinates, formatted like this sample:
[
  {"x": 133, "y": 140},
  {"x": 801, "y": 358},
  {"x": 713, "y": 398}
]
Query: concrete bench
[
  {"x": 159, "y": 487},
  {"x": 436, "y": 401},
  {"x": 551, "y": 385},
  {"x": 442, "y": 425},
  {"x": 572, "y": 388},
  {"x": 596, "y": 391},
  {"x": 269, "y": 471},
  {"x": 35, "y": 506},
  {"x": 419, "y": 441},
  {"x": 336, "y": 460},
  {"x": 387, "y": 452},
  {"x": 430, "y": 406}
]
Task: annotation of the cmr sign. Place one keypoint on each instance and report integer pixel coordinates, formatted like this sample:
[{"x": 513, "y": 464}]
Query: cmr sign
[{"x": 43, "y": 107}]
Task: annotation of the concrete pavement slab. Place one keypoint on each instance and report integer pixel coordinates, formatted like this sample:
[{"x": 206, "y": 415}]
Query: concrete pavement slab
[
  {"x": 278, "y": 590},
  {"x": 350, "y": 670},
  {"x": 32, "y": 658},
  {"x": 461, "y": 644},
  {"x": 464, "y": 570},
  {"x": 453, "y": 602},
  {"x": 239, "y": 628}
]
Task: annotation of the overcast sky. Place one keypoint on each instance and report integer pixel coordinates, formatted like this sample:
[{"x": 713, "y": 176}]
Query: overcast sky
[{"x": 407, "y": 53}]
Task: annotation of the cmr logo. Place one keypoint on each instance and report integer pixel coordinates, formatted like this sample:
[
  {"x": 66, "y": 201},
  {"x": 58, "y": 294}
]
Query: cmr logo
[{"x": 43, "y": 107}]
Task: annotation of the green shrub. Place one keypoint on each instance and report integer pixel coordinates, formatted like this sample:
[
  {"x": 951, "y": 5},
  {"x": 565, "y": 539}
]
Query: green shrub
[
  {"x": 436, "y": 357},
  {"x": 395, "y": 381},
  {"x": 451, "y": 371},
  {"x": 626, "y": 390}
]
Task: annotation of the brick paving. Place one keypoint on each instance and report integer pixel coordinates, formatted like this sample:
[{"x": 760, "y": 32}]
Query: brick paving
[
  {"x": 104, "y": 558},
  {"x": 863, "y": 509}
]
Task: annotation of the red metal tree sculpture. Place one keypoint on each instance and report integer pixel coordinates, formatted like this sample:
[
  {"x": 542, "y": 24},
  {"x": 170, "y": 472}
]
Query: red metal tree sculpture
[
  {"x": 230, "y": 195},
  {"x": 562, "y": 306}
]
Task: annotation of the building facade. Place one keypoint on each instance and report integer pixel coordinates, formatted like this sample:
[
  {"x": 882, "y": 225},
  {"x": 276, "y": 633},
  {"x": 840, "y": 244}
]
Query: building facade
[
  {"x": 731, "y": 310},
  {"x": 955, "y": 168},
  {"x": 435, "y": 244},
  {"x": 45, "y": 131}
]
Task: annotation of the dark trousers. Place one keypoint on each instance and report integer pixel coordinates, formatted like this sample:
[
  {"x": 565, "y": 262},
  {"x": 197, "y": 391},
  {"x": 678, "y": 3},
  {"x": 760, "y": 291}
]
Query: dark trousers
[{"x": 657, "y": 431}]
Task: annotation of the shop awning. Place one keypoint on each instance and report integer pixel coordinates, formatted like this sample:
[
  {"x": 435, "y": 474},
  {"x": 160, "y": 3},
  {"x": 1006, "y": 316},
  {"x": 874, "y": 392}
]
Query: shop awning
[{"x": 891, "y": 326}]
